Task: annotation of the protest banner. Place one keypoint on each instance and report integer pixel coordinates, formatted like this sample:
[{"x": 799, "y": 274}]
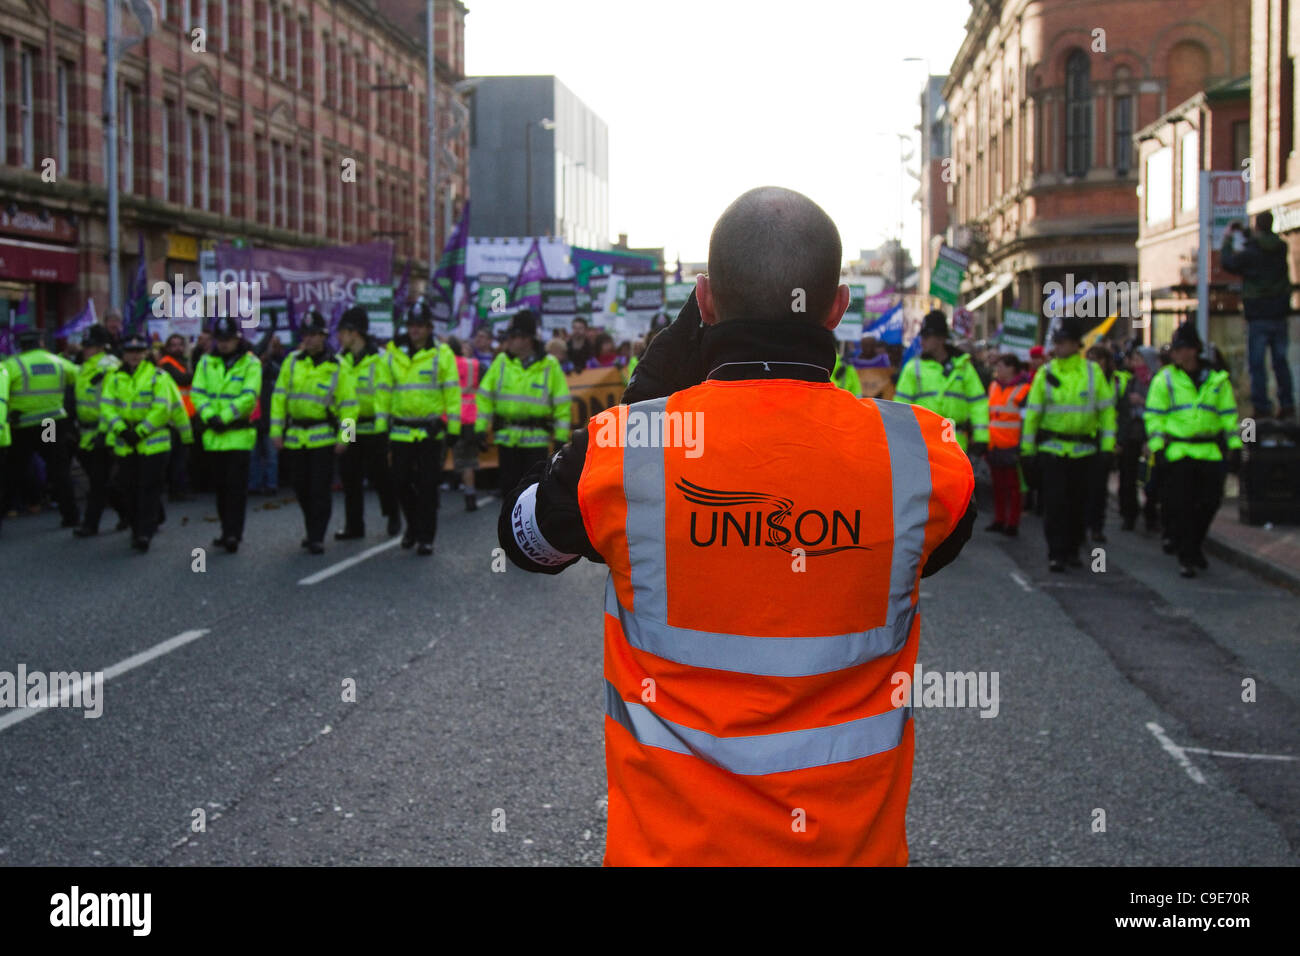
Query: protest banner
[{"x": 559, "y": 304}]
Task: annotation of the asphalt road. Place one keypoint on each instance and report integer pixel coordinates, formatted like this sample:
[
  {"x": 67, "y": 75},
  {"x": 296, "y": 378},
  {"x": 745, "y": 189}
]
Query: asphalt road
[{"x": 475, "y": 733}]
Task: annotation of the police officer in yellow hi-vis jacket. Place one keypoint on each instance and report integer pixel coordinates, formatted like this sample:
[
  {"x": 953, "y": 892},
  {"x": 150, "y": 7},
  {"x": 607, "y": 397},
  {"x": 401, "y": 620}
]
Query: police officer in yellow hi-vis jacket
[
  {"x": 313, "y": 414},
  {"x": 426, "y": 386},
  {"x": 38, "y": 421},
  {"x": 141, "y": 404},
  {"x": 367, "y": 366},
  {"x": 525, "y": 398},
  {"x": 93, "y": 453},
  {"x": 1191, "y": 420}
]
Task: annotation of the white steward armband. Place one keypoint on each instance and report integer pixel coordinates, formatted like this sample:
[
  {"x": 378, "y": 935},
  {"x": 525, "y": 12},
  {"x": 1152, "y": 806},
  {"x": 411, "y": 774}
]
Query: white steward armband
[{"x": 529, "y": 537}]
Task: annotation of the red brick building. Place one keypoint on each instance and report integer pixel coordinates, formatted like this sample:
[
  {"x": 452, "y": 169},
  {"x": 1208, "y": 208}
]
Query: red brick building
[
  {"x": 1210, "y": 131},
  {"x": 1044, "y": 98},
  {"x": 238, "y": 132}
]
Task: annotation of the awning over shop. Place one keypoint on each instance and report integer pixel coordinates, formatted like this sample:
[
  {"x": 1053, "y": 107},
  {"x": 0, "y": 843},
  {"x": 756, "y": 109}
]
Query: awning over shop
[
  {"x": 1000, "y": 283},
  {"x": 38, "y": 262}
]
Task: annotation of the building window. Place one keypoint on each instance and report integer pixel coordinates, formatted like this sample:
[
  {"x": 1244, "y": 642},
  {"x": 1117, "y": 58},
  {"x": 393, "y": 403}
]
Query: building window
[
  {"x": 4, "y": 102},
  {"x": 1123, "y": 135},
  {"x": 282, "y": 37},
  {"x": 271, "y": 195},
  {"x": 1240, "y": 143},
  {"x": 126, "y": 133},
  {"x": 1078, "y": 115},
  {"x": 260, "y": 39},
  {"x": 270, "y": 42},
  {"x": 168, "y": 108},
  {"x": 61, "y": 107},
  {"x": 1159, "y": 187},
  {"x": 300, "y": 221},
  {"x": 27, "y": 108},
  {"x": 225, "y": 25},
  {"x": 1191, "y": 169},
  {"x": 227, "y": 134},
  {"x": 306, "y": 57},
  {"x": 205, "y": 163},
  {"x": 187, "y": 158}
]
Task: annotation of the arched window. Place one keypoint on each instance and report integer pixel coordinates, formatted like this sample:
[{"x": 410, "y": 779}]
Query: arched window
[
  {"x": 1078, "y": 114},
  {"x": 1123, "y": 121}
]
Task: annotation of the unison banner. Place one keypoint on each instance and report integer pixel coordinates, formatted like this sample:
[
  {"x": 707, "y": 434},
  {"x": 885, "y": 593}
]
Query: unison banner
[
  {"x": 317, "y": 278},
  {"x": 594, "y": 390}
]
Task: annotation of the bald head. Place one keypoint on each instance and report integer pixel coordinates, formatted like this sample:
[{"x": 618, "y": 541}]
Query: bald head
[{"x": 774, "y": 254}]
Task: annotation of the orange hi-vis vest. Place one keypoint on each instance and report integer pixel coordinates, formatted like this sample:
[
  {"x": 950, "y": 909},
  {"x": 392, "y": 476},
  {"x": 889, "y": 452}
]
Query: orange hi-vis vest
[
  {"x": 1005, "y": 405},
  {"x": 186, "y": 400},
  {"x": 762, "y": 596}
]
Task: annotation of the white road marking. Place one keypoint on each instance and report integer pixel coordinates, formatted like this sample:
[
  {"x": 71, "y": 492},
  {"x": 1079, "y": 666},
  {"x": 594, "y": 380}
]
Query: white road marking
[
  {"x": 1019, "y": 579},
  {"x": 132, "y": 662},
  {"x": 1233, "y": 753},
  {"x": 343, "y": 565},
  {"x": 1175, "y": 751}
]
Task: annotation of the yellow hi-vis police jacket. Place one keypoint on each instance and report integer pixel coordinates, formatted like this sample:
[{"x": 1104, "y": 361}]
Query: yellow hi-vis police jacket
[
  {"x": 426, "y": 386},
  {"x": 1070, "y": 411},
  {"x": 372, "y": 383},
  {"x": 92, "y": 374},
  {"x": 529, "y": 401},
  {"x": 312, "y": 401},
  {"x": 146, "y": 402},
  {"x": 1187, "y": 420},
  {"x": 954, "y": 391},
  {"x": 37, "y": 380}
]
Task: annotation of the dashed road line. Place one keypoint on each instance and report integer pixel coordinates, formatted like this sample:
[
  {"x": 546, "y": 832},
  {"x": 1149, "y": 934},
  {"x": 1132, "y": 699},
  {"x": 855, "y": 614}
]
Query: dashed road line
[
  {"x": 1175, "y": 751},
  {"x": 343, "y": 565}
]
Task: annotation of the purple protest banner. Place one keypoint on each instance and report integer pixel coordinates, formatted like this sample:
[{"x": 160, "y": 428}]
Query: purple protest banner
[{"x": 313, "y": 277}]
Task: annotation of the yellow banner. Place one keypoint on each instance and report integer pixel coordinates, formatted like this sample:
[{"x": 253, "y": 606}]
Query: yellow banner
[
  {"x": 182, "y": 247},
  {"x": 594, "y": 390}
]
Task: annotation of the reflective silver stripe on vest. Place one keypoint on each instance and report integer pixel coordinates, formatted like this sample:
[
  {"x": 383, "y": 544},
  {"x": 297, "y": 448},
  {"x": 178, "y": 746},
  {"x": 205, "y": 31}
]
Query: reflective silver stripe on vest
[
  {"x": 647, "y": 548},
  {"x": 909, "y": 476},
  {"x": 646, "y": 627},
  {"x": 762, "y": 753},
  {"x": 771, "y": 656}
]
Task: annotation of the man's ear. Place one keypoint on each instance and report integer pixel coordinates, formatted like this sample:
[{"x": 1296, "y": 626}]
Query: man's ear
[
  {"x": 704, "y": 299},
  {"x": 838, "y": 307}
]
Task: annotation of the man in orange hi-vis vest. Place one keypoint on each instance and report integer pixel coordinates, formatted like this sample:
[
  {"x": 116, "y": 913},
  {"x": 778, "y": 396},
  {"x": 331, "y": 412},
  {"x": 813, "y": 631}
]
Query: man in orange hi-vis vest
[{"x": 766, "y": 533}]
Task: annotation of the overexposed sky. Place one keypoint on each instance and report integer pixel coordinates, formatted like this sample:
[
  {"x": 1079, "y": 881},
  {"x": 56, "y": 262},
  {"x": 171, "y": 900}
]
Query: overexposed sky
[{"x": 707, "y": 98}]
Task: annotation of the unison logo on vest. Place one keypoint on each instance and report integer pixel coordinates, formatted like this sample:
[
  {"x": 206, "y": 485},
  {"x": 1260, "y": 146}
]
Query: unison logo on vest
[
  {"x": 812, "y": 531},
  {"x": 637, "y": 428},
  {"x": 56, "y": 689}
]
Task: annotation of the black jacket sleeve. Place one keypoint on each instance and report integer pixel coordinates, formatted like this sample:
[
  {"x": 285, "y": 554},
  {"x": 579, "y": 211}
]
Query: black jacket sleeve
[
  {"x": 951, "y": 546},
  {"x": 555, "y": 511},
  {"x": 673, "y": 361}
]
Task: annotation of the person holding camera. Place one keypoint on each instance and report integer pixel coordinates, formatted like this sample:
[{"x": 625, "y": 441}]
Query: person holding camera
[{"x": 1259, "y": 257}]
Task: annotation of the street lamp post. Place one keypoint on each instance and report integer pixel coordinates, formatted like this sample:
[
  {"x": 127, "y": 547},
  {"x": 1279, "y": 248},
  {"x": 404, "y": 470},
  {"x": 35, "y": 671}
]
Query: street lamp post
[
  {"x": 431, "y": 95},
  {"x": 547, "y": 124}
]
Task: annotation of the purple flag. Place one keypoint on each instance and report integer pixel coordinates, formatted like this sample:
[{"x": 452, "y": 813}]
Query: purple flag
[
  {"x": 451, "y": 267},
  {"x": 402, "y": 292},
  {"x": 137, "y": 297},
  {"x": 79, "y": 322},
  {"x": 526, "y": 292}
]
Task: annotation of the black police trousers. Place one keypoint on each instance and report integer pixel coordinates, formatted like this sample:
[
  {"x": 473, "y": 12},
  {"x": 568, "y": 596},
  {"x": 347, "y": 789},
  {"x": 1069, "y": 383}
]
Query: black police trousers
[
  {"x": 1192, "y": 493},
  {"x": 139, "y": 487},
  {"x": 1065, "y": 485},
  {"x": 514, "y": 463},
  {"x": 417, "y": 469},
  {"x": 367, "y": 457},
  {"x": 229, "y": 471},
  {"x": 97, "y": 463},
  {"x": 58, "y": 462},
  {"x": 311, "y": 472}
]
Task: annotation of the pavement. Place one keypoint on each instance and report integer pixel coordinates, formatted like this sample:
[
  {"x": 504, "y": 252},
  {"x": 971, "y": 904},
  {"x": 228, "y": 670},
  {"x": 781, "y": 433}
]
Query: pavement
[{"x": 371, "y": 707}]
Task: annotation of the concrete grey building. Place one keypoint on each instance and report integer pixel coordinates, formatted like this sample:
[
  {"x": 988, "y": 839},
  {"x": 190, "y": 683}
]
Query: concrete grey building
[{"x": 532, "y": 131}]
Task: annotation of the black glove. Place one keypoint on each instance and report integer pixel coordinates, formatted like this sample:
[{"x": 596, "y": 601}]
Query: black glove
[
  {"x": 673, "y": 360},
  {"x": 129, "y": 436},
  {"x": 14, "y": 415}
]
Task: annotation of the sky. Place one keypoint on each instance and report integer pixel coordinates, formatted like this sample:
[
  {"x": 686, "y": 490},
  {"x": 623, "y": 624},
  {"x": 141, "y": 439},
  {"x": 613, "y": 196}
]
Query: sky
[{"x": 705, "y": 99}]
